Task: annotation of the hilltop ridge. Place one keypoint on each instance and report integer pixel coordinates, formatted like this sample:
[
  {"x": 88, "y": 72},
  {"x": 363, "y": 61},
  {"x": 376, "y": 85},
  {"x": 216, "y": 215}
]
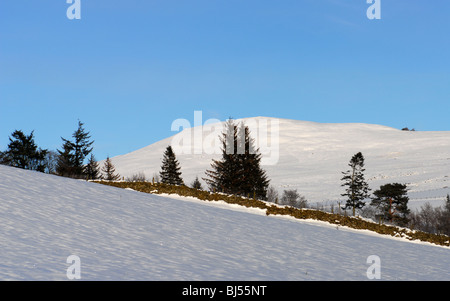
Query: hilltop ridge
[{"x": 310, "y": 157}]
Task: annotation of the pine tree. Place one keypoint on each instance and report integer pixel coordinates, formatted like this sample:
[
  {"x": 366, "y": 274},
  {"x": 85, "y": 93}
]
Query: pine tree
[
  {"x": 239, "y": 171},
  {"x": 110, "y": 171},
  {"x": 357, "y": 188},
  {"x": 92, "y": 170},
  {"x": 392, "y": 201},
  {"x": 3, "y": 158},
  {"x": 65, "y": 161},
  {"x": 81, "y": 146},
  {"x": 253, "y": 179},
  {"x": 225, "y": 173},
  {"x": 196, "y": 184},
  {"x": 74, "y": 152},
  {"x": 22, "y": 152},
  {"x": 170, "y": 170}
]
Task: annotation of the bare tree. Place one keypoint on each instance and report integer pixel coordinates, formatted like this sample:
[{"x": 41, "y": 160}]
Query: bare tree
[
  {"x": 432, "y": 219},
  {"x": 444, "y": 219},
  {"x": 51, "y": 161},
  {"x": 272, "y": 194},
  {"x": 294, "y": 199},
  {"x": 138, "y": 177},
  {"x": 155, "y": 178}
]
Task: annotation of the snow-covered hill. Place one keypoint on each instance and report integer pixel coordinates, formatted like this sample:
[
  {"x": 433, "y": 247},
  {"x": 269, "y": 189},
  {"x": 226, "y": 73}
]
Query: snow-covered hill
[
  {"x": 119, "y": 234},
  {"x": 311, "y": 156}
]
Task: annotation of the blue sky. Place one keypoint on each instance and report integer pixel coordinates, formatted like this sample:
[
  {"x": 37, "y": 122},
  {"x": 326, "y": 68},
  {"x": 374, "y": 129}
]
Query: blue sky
[{"x": 127, "y": 69}]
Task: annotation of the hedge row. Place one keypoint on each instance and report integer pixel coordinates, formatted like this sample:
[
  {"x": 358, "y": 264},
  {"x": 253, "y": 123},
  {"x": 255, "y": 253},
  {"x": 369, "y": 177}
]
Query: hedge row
[{"x": 336, "y": 219}]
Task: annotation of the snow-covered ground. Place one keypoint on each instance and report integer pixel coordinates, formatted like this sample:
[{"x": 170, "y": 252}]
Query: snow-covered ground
[
  {"x": 120, "y": 234},
  {"x": 312, "y": 156}
]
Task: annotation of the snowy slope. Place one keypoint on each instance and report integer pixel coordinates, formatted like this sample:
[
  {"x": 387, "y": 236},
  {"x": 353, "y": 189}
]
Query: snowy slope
[
  {"x": 312, "y": 156},
  {"x": 126, "y": 235}
]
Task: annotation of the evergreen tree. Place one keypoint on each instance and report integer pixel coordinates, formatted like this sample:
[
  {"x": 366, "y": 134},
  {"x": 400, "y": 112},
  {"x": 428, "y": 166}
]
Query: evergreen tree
[
  {"x": 357, "y": 188},
  {"x": 392, "y": 201},
  {"x": 253, "y": 179},
  {"x": 224, "y": 176},
  {"x": 81, "y": 146},
  {"x": 239, "y": 171},
  {"x": 22, "y": 152},
  {"x": 92, "y": 170},
  {"x": 110, "y": 171},
  {"x": 3, "y": 159},
  {"x": 74, "y": 152},
  {"x": 65, "y": 161},
  {"x": 170, "y": 170},
  {"x": 196, "y": 184}
]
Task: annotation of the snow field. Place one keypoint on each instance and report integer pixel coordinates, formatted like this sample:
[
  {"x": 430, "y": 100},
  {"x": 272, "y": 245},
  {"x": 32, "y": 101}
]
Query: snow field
[{"x": 120, "y": 234}]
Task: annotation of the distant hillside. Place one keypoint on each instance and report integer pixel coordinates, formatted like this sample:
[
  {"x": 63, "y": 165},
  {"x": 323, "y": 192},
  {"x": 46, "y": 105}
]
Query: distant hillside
[{"x": 311, "y": 157}]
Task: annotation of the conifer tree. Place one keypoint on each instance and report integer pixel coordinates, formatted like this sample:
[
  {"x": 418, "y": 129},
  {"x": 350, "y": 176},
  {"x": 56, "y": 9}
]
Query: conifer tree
[
  {"x": 71, "y": 162},
  {"x": 170, "y": 170},
  {"x": 109, "y": 171},
  {"x": 253, "y": 179},
  {"x": 224, "y": 176},
  {"x": 92, "y": 170},
  {"x": 392, "y": 201},
  {"x": 239, "y": 171},
  {"x": 196, "y": 184},
  {"x": 81, "y": 148},
  {"x": 22, "y": 152},
  {"x": 357, "y": 188},
  {"x": 65, "y": 161}
]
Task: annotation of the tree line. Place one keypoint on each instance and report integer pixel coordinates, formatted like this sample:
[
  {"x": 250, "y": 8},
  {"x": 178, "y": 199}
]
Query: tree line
[
  {"x": 390, "y": 202},
  {"x": 70, "y": 161},
  {"x": 240, "y": 174}
]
